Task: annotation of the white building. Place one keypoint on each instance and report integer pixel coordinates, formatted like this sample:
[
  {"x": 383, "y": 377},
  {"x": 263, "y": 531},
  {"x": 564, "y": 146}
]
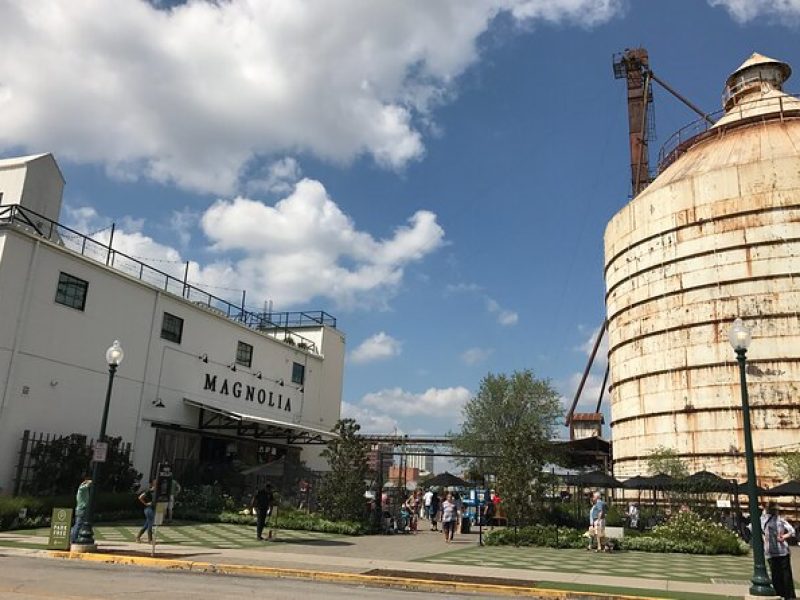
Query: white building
[
  {"x": 202, "y": 379},
  {"x": 423, "y": 460}
]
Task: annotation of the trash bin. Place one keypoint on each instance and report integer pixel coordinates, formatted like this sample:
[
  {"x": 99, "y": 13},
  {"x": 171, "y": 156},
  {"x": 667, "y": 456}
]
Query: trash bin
[{"x": 465, "y": 525}]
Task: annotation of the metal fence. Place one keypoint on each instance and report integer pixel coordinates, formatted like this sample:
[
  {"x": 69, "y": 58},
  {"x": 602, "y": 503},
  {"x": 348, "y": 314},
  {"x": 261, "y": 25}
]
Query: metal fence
[
  {"x": 31, "y": 443},
  {"x": 278, "y": 325}
]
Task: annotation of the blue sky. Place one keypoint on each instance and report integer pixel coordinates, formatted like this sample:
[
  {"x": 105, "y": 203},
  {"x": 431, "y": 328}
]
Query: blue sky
[{"x": 438, "y": 175}]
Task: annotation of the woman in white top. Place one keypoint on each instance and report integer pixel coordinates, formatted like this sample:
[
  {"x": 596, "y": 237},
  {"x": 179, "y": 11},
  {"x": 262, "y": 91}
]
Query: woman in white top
[{"x": 449, "y": 518}]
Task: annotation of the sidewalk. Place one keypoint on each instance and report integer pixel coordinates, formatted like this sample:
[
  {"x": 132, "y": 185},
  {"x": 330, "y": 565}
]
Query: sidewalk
[{"x": 406, "y": 559}]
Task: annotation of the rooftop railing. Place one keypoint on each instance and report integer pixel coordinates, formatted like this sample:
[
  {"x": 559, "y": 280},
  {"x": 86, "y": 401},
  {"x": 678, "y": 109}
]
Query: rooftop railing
[
  {"x": 683, "y": 139},
  {"x": 278, "y": 325}
]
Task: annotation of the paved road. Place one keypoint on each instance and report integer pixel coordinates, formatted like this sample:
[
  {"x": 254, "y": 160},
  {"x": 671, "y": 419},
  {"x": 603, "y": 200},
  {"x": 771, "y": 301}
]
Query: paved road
[{"x": 27, "y": 578}]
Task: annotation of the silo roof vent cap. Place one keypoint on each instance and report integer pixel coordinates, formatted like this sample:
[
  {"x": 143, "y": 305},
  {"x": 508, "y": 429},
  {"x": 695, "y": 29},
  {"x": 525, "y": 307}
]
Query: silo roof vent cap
[{"x": 758, "y": 74}]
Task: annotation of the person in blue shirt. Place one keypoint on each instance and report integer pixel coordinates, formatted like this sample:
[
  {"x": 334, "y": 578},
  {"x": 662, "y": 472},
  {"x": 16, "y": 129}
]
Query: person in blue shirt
[{"x": 597, "y": 521}]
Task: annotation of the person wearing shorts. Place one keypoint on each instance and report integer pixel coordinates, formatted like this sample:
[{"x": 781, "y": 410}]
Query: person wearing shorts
[
  {"x": 597, "y": 521},
  {"x": 449, "y": 518}
]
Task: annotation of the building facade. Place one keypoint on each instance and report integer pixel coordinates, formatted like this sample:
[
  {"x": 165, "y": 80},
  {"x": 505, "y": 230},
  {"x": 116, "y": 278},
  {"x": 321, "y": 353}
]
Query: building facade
[
  {"x": 204, "y": 384},
  {"x": 714, "y": 237}
]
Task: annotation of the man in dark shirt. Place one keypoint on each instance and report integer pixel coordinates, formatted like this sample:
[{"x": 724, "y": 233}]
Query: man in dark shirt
[{"x": 262, "y": 503}]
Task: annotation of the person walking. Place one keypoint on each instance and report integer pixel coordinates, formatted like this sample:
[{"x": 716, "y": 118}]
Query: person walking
[
  {"x": 597, "y": 522},
  {"x": 147, "y": 499},
  {"x": 262, "y": 504},
  {"x": 449, "y": 517},
  {"x": 434, "y": 511},
  {"x": 776, "y": 533},
  {"x": 427, "y": 500}
]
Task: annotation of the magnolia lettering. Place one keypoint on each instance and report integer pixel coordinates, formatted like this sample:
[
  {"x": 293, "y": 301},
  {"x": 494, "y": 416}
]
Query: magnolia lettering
[{"x": 248, "y": 392}]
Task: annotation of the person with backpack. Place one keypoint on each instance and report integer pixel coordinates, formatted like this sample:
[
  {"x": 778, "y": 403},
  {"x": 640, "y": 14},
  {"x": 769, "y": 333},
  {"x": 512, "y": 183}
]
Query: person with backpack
[{"x": 262, "y": 503}]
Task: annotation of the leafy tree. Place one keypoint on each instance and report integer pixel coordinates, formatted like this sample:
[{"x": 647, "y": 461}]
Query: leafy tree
[
  {"x": 341, "y": 495},
  {"x": 511, "y": 421},
  {"x": 665, "y": 460},
  {"x": 789, "y": 465}
]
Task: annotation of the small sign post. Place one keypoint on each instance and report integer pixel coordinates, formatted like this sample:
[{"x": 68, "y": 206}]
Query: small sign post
[
  {"x": 60, "y": 523},
  {"x": 100, "y": 452},
  {"x": 161, "y": 498}
]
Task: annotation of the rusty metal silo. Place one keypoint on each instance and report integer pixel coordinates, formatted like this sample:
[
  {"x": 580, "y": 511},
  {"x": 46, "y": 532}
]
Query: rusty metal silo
[{"x": 715, "y": 236}]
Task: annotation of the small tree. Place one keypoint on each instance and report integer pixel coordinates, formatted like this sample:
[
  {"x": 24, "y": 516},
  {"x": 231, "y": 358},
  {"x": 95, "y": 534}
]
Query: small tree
[
  {"x": 665, "y": 460},
  {"x": 511, "y": 419},
  {"x": 789, "y": 465},
  {"x": 341, "y": 495}
]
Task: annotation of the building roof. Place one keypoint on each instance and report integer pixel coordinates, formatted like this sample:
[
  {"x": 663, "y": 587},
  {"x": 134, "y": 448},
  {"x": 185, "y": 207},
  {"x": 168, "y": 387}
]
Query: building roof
[
  {"x": 756, "y": 60},
  {"x": 20, "y": 161}
]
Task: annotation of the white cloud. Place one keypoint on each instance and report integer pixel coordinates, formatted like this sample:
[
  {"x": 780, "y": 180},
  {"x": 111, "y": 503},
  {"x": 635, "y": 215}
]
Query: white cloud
[
  {"x": 504, "y": 316},
  {"x": 181, "y": 223},
  {"x": 193, "y": 94},
  {"x": 747, "y": 10},
  {"x": 301, "y": 248},
  {"x": 601, "y": 358},
  {"x": 380, "y": 346},
  {"x": 278, "y": 177},
  {"x": 433, "y": 402},
  {"x": 370, "y": 420},
  {"x": 305, "y": 246},
  {"x": 474, "y": 356}
]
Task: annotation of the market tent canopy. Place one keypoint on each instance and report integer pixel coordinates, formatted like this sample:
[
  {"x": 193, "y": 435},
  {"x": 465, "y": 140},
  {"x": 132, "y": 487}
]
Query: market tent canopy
[
  {"x": 662, "y": 481},
  {"x": 790, "y": 488},
  {"x": 638, "y": 482},
  {"x": 593, "y": 479},
  {"x": 445, "y": 480},
  {"x": 705, "y": 481}
]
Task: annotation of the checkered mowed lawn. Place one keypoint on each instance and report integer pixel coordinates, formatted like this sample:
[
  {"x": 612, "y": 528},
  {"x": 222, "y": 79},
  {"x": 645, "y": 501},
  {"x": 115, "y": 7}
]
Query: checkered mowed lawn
[
  {"x": 681, "y": 567},
  {"x": 211, "y": 535}
]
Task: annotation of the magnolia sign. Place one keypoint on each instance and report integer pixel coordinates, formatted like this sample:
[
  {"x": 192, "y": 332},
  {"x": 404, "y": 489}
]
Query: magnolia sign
[{"x": 248, "y": 393}]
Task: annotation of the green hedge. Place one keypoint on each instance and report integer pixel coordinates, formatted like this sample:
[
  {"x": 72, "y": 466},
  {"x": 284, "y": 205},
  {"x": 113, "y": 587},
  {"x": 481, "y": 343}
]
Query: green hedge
[
  {"x": 688, "y": 533},
  {"x": 109, "y": 506},
  {"x": 287, "y": 519},
  {"x": 548, "y": 536}
]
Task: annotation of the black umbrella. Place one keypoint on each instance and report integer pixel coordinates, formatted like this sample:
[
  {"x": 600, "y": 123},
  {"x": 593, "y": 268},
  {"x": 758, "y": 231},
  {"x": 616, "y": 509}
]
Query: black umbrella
[
  {"x": 637, "y": 483},
  {"x": 662, "y": 481},
  {"x": 706, "y": 481},
  {"x": 596, "y": 479},
  {"x": 445, "y": 480},
  {"x": 790, "y": 488}
]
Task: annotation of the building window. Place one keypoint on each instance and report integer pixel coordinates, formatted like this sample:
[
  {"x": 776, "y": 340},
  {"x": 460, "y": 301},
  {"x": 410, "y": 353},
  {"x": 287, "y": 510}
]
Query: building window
[
  {"x": 172, "y": 328},
  {"x": 298, "y": 373},
  {"x": 244, "y": 354},
  {"x": 71, "y": 291}
]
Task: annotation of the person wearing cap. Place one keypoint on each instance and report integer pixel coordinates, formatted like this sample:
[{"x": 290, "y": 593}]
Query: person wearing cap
[
  {"x": 597, "y": 521},
  {"x": 776, "y": 532}
]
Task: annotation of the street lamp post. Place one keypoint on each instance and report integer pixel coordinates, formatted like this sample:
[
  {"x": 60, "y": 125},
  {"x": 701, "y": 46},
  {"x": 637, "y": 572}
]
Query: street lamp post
[
  {"x": 114, "y": 356},
  {"x": 740, "y": 337}
]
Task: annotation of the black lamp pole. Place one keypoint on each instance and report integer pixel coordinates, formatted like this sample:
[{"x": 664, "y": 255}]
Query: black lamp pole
[
  {"x": 740, "y": 336},
  {"x": 761, "y": 585},
  {"x": 86, "y": 533}
]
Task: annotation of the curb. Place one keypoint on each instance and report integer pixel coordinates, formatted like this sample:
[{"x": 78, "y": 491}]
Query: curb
[{"x": 338, "y": 577}]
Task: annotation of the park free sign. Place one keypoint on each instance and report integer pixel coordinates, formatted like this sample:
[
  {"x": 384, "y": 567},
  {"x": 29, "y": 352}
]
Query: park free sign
[{"x": 60, "y": 523}]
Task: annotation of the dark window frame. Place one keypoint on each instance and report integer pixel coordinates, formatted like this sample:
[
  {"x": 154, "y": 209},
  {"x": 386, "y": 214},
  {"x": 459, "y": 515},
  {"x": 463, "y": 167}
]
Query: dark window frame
[
  {"x": 244, "y": 354},
  {"x": 67, "y": 291},
  {"x": 298, "y": 373},
  {"x": 169, "y": 333}
]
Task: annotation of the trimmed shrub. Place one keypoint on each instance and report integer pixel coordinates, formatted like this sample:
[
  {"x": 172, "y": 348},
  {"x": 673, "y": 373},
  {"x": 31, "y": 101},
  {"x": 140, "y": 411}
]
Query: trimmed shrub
[
  {"x": 109, "y": 506},
  {"x": 547, "y": 536},
  {"x": 688, "y": 533},
  {"x": 288, "y": 519}
]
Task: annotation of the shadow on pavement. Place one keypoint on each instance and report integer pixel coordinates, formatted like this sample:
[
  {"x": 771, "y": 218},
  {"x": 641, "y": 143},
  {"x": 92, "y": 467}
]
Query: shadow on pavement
[{"x": 320, "y": 543}]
